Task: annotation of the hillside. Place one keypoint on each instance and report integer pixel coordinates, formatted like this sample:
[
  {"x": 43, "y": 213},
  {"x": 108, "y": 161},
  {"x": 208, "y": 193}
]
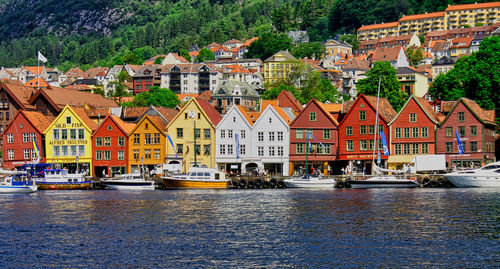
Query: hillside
[{"x": 102, "y": 32}]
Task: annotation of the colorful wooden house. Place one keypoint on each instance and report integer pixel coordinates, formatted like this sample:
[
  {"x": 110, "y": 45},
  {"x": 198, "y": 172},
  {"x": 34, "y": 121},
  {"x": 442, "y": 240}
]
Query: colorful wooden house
[
  {"x": 68, "y": 140},
  {"x": 195, "y": 124},
  {"x": 357, "y": 133},
  {"x": 476, "y": 128},
  {"x": 110, "y": 146},
  {"x": 412, "y": 132},
  {"x": 18, "y": 145},
  {"x": 317, "y": 120}
]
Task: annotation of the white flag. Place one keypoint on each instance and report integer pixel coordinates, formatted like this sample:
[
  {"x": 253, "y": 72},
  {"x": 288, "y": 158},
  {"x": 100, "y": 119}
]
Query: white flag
[{"x": 41, "y": 58}]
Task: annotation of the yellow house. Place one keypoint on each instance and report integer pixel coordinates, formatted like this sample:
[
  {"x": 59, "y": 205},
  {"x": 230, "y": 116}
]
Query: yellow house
[
  {"x": 182, "y": 131},
  {"x": 68, "y": 140},
  {"x": 334, "y": 47},
  {"x": 278, "y": 66},
  {"x": 147, "y": 144}
]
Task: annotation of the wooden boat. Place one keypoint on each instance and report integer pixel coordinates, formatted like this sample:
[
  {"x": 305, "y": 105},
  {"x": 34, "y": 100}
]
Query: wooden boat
[
  {"x": 60, "y": 179},
  {"x": 129, "y": 182},
  {"x": 198, "y": 178}
]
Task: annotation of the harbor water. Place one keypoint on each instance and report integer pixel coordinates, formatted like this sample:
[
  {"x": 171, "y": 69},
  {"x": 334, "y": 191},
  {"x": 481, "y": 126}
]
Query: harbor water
[{"x": 288, "y": 228}]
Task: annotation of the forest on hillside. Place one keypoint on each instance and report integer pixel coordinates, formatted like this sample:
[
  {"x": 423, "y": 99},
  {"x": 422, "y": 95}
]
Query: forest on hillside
[{"x": 107, "y": 32}]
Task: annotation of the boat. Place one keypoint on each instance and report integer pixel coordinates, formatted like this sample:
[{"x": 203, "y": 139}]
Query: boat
[
  {"x": 60, "y": 179},
  {"x": 16, "y": 182},
  {"x": 487, "y": 176},
  {"x": 310, "y": 181},
  {"x": 384, "y": 181},
  {"x": 197, "y": 178},
  {"x": 129, "y": 182}
]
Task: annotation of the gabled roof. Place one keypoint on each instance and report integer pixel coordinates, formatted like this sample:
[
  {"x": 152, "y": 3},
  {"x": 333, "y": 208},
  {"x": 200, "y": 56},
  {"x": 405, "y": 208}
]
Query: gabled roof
[
  {"x": 424, "y": 105},
  {"x": 387, "y": 54},
  {"x": 75, "y": 72},
  {"x": 356, "y": 64},
  {"x": 39, "y": 121},
  {"x": 386, "y": 111},
  {"x": 134, "y": 112},
  {"x": 168, "y": 113},
  {"x": 60, "y": 97},
  {"x": 238, "y": 110},
  {"x": 19, "y": 93},
  {"x": 483, "y": 116},
  {"x": 227, "y": 88},
  {"x": 157, "y": 122},
  {"x": 461, "y": 42},
  {"x": 126, "y": 128},
  {"x": 288, "y": 56},
  {"x": 96, "y": 71},
  {"x": 34, "y": 69},
  {"x": 89, "y": 124},
  {"x": 34, "y": 83},
  {"x": 210, "y": 111},
  {"x": 282, "y": 115},
  {"x": 297, "y": 106},
  {"x": 320, "y": 106}
]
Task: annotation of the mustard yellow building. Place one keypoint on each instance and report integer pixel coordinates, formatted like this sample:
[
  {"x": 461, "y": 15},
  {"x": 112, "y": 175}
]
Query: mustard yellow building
[
  {"x": 421, "y": 24},
  {"x": 182, "y": 131},
  {"x": 278, "y": 66},
  {"x": 471, "y": 14},
  {"x": 147, "y": 144},
  {"x": 68, "y": 140},
  {"x": 376, "y": 31},
  {"x": 334, "y": 47}
]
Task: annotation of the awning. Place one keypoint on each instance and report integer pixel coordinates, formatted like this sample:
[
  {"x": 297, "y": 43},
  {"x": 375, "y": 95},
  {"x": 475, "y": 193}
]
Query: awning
[{"x": 400, "y": 158}]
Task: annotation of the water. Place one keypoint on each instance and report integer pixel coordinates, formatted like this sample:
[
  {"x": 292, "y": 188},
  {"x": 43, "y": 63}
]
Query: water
[{"x": 290, "y": 228}]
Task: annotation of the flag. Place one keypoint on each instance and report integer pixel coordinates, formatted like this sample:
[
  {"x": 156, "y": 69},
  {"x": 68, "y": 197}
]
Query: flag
[
  {"x": 459, "y": 142},
  {"x": 309, "y": 136},
  {"x": 384, "y": 143},
  {"x": 309, "y": 141},
  {"x": 172, "y": 143},
  {"x": 41, "y": 58},
  {"x": 237, "y": 140},
  {"x": 35, "y": 146}
]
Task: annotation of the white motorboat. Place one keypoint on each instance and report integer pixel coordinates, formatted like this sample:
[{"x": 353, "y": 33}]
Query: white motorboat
[
  {"x": 16, "y": 182},
  {"x": 60, "y": 179},
  {"x": 129, "y": 182},
  {"x": 487, "y": 176},
  {"x": 384, "y": 181},
  {"x": 310, "y": 181}
]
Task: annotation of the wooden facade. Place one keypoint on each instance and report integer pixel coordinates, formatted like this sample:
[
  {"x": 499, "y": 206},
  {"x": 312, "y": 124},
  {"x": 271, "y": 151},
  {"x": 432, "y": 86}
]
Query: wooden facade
[{"x": 147, "y": 142}]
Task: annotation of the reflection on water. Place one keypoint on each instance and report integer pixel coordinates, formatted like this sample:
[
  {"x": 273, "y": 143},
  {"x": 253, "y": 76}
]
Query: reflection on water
[{"x": 251, "y": 228}]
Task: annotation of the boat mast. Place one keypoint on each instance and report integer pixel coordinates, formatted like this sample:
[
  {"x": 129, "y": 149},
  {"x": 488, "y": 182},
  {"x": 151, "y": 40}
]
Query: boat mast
[
  {"x": 375, "y": 144},
  {"x": 194, "y": 133}
]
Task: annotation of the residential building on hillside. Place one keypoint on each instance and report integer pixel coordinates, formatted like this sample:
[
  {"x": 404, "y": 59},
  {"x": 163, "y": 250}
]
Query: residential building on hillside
[
  {"x": 412, "y": 82},
  {"x": 147, "y": 77},
  {"x": 354, "y": 71},
  {"x": 174, "y": 58},
  {"x": 421, "y": 23},
  {"x": 231, "y": 92},
  {"x": 190, "y": 78},
  {"x": 278, "y": 66},
  {"x": 395, "y": 55},
  {"x": 28, "y": 73},
  {"x": 239, "y": 73},
  {"x": 376, "y": 31},
  {"x": 334, "y": 47},
  {"x": 442, "y": 66}
]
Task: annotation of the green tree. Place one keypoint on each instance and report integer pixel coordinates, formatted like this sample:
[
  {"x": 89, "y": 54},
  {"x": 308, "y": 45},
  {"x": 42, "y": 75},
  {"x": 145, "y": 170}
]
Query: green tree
[
  {"x": 145, "y": 53},
  {"x": 272, "y": 93},
  {"x": 120, "y": 89},
  {"x": 309, "y": 50},
  {"x": 351, "y": 39},
  {"x": 185, "y": 53},
  {"x": 132, "y": 58},
  {"x": 390, "y": 87},
  {"x": 159, "y": 60},
  {"x": 415, "y": 56},
  {"x": 204, "y": 55},
  {"x": 156, "y": 96},
  {"x": 267, "y": 45}
]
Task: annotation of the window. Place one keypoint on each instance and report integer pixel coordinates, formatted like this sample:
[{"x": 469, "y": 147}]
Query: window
[
  {"x": 362, "y": 129},
  {"x": 98, "y": 155},
  {"x": 363, "y": 145},
  {"x": 461, "y": 116},
  {"x": 348, "y": 130},
  {"x": 271, "y": 136},
  {"x": 55, "y": 134},
  {"x": 72, "y": 150},
  {"x": 147, "y": 154},
  {"x": 370, "y": 145},
  {"x": 72, "y": 134},
  {"x": 68, "y": 120},
  {"x": 107, "y": 141},
  {"x": 107, "y": 155},
  {"x": 406, "y": 132},
  {"x": 461, "y": 131},
  {"x": 137, "y": 139},
  {"x": 197, "y": 133},
  {"x": 371, "y": 129},
  {"x": 81, "y": 134},
  {"x": 299, "y": 134},
  {"x": 121, "y": 141},
  {"x": 413, "y": 117},
  {"x": 64, "y": 134},
  {"x": 26, "y": 154},
  {"x": 81, "y": 150},
  {"x": 415, "y": 132},
  {"x": 243, "y": 149},
  {"x": 11, "y": 154},
  {"x": 397, "y": 133},
  {"x": 229, "y": 133},
  {"x": 299, "y": 148},
  {"x": 156, "y": 138},
  {"x": 243, "y": 134},
  {"x": 312, "y": 116},
  {"x": 136, "y": 154},
  {"x": 449, "y": 147},
  {"x": 260, "y": 136},
  {"x": 473, "y": 130},
  {"x": 425, "y": 132},
  {"x": 350, "y": 145},
  {"x": 10, "y": 138},
  {"x": 222, "y": 149},
  {"x": 55, "y": 149},
  {"x": 425, "y": 148},
  {"x": 326, "y": 149},
  {"x": 280, "y": 136},
  {"x": 206, "y": 149},
  {"x": 397, "y": 149},
  {"x": 326, "y": 134},
  {"x": 32, "y": 136},
  {"x": 157, "y": 154},
  {"x": 280, "y": 151},
  {"x": 230, "y": 150},
  {"x": 197, "y": 149},
  {"x": 260, "y": 151},
  {"x": 222, "y": 133},
  {"x": 98, "y": 141},
  {"x": 271, "y": 151},
  {"x": 180, "y": 133},
  {"x": 473, "y": 146},
  {"x": 147, "y": 139},
  {"x": 415, "y": 148},
  {"x": 362, "y": 115},
  {"x": 179, "y": 148},
  {"x": 33, "y": 154},
  {"x": 121, "y": 155},
  {"x": 26, "y": 137},
  {"x": 449, "y": 131},
  {"x": 406, "y": 148},
  {"x": 206, "y": 133}
]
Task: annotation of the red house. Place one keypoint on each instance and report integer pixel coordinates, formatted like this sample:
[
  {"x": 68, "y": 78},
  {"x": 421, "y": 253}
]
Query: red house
[
  {"x": 412, "y": 132},
  {"x": 357, "y": 131},
  {"x": 18, "y": 147},
  {"x": 145, "y": 78},
  {"x": 110, "y": 146},
  {"x": 315, "y": 119},
  {"x": 476, "y": 128}
]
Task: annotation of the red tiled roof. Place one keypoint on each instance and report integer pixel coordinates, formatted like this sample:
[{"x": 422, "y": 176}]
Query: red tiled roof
[
  {"x": 378, "y": 26},
  {"x": 386, "y": 111},
  {"x": 34, "y": 83},
  {"x": 478, "y": 111},
  {"x": 78, "y": 87},
  {"x": 134, "y": 112},
  {"x": 387, "y": 54},
  {"x": 19, "y": 93},
  {"x": 39, "y": 121},
  {"x": 473, "y": 6},
  {"x": 168, "y": 113},
  {"x": 159, "y": 122},
  {"x": 212, "y": 114},
  {"x": 34, "y": 69},
  {"x": 427, "y": 108},
  {"x": 80, "y": 111},
  {"x": 422, "y": 16},
  {"x": 461, "y": 42},
  {"x": 62, "y": 97}
]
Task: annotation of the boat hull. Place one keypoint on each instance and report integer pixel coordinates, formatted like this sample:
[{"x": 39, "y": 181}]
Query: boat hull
[
  {"x": 43, "y": 185},
  {"x": 117, "y": 185},
  {"x": 380, "y": 182},
  {"x": 194, "y": 184},
  {"x": 18, "y": 189},
  {"x": 316, "y": 184},
  {"x": 474, "y": 181}
]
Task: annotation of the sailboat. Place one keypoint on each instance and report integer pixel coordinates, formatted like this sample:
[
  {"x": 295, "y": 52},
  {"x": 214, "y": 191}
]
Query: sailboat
[{"x": 378, "y": 179}]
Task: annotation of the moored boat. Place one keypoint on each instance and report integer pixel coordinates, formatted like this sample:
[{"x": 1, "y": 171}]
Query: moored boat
[
  {"x": 129, "y": 182},
  {"x": 16, "y": 182},
  {"x": 487, "y": 176},
  {"x": 60, "y": 179},
  {"x": 310, "y": 181},
  {"x": 198, "y": 178},
  {"x": 384, "y": 181}
]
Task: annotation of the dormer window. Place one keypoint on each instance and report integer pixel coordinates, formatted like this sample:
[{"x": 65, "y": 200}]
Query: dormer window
[{"x": 68, "y": 120}]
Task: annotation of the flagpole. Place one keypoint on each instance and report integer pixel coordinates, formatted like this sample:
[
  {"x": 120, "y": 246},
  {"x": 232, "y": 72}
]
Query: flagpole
[
  {"x": 375, "y": 146},
  {"x": 38, "y": 70}
]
